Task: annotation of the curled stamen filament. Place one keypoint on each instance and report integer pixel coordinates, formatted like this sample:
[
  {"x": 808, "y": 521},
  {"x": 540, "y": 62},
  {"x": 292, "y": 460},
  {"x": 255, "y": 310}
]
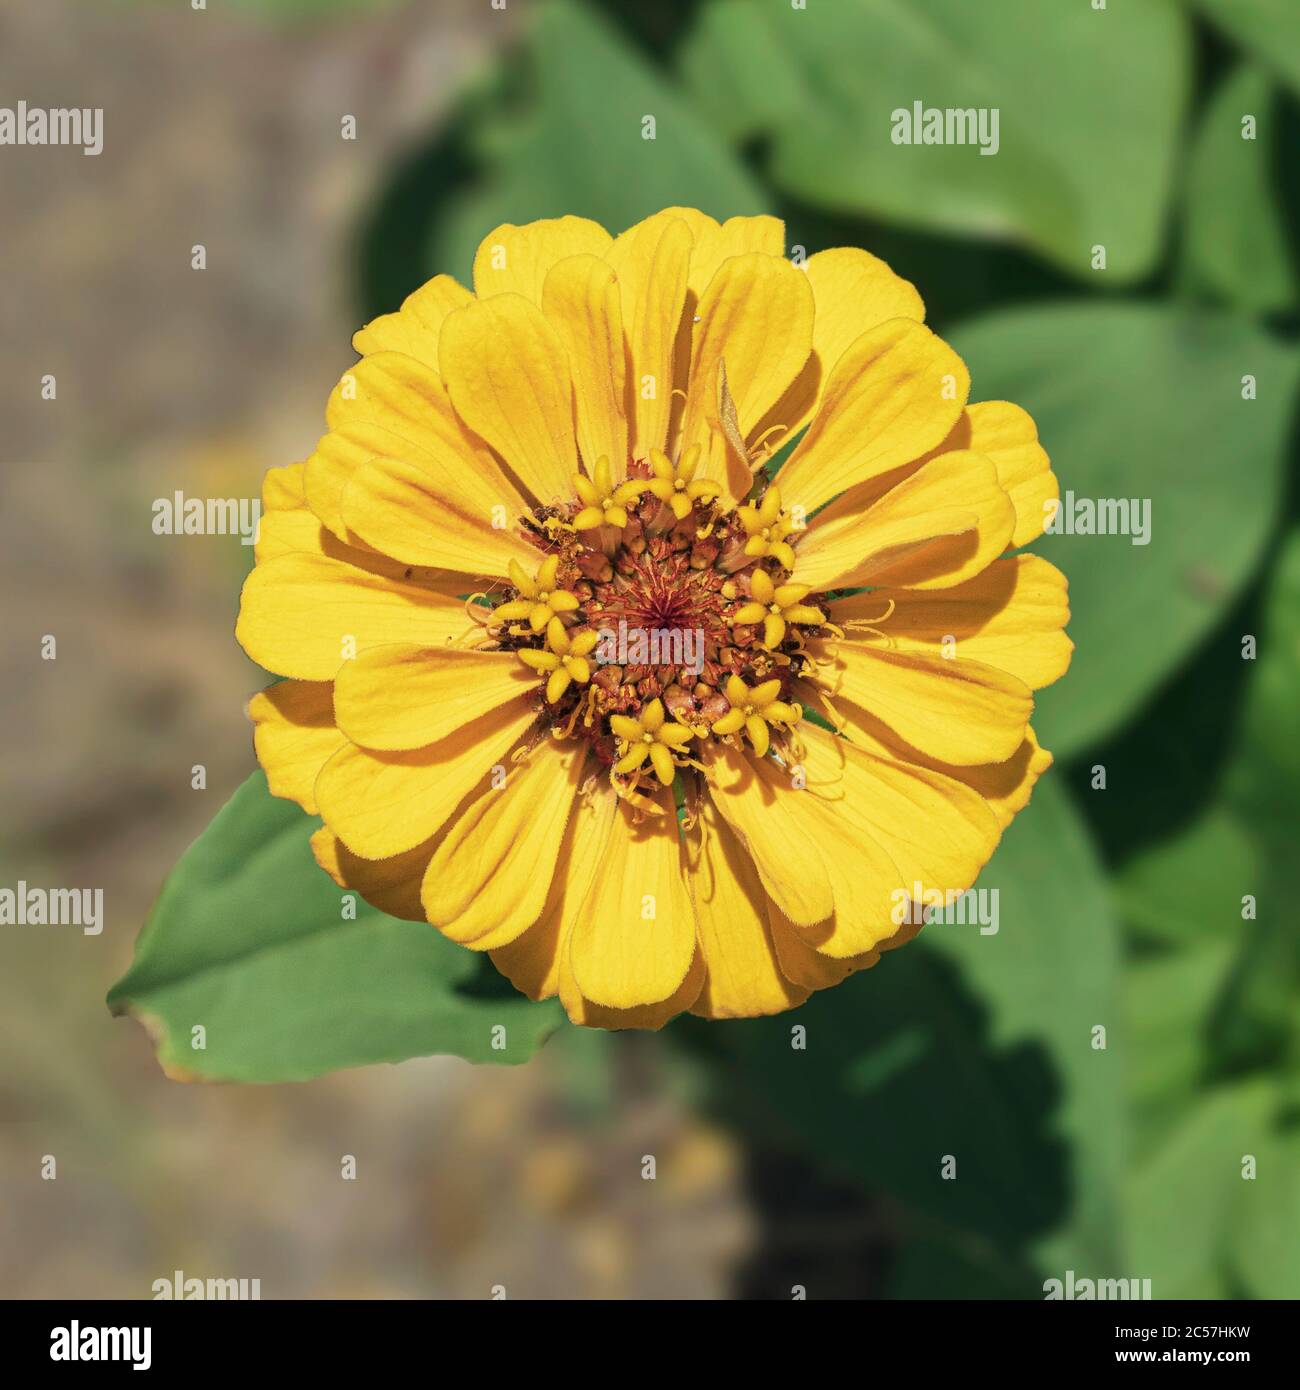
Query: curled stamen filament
[
  {"x": 758, "y": 443},
  {"x": 627, "y": 791},
  {"x": 867, "y": 624}
]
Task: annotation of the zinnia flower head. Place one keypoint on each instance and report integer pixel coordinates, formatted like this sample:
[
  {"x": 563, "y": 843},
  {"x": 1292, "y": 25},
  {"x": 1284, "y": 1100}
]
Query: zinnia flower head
[{"x": 572, "y": 680}]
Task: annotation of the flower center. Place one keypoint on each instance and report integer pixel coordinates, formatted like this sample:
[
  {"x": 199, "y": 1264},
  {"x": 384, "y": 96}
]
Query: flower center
[{"x": 660, "y": 616}]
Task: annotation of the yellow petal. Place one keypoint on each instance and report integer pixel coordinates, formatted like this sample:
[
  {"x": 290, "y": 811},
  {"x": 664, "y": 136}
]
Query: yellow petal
[
  {"x": 742, "y": 977},
  {"x": 1004, "y": 786},
  {"x": 763, "y": 808},
  {"x": 581, "y": 301},
  {"x": 958, "y": 711},
  {"x": 393, "y": 406},
  {"x": 756, "y": 316},
  {"x": 401, "y": 696},
  {"x": 533, "y": 961},
  {"x": 391, "y": 885},
  {"x": 853, "y": 291},
  {"x": 715, "y": 242},
  {"x": 284, "y": 532},
  {"x": 507, "y": 374},
  {"x": 634, "y": 939},
  {"x": 651, "y": 1017},
  {"x": 936, "y": 830},
  {"x": 805, "y": 966},
  {"x": 1011, "y": 616},
  {"x": 1006, "y": 434},
  {"x": 652, "y": 261},
  {"x": 381, "y": 804},
  {"x": 407, "y": 513},
  {"x": 283, "y": 488},
  {"x": 835, "y": 847},
  {"x": 415, "y": 327},
  {"x": 490, "y": 875},
  {"x": 968, "y": 482},
  {"x": 895, "y": 394},
  {"x": 303, "y": 615},
  {"x": 942, "y": 524},
  {"x": 301, "y": 531},
  {"x": 519, "y": 258},
  {"x": 295, "y": 736}
]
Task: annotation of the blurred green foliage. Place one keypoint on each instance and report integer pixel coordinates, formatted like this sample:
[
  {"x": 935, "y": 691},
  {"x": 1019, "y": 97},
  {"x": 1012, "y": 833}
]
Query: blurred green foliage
[{"x": 1155, "y": 905}]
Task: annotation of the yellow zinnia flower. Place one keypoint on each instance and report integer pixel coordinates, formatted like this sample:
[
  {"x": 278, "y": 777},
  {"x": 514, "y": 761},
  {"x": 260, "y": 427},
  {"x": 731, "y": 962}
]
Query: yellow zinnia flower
[{"x": 554, "y": 685}]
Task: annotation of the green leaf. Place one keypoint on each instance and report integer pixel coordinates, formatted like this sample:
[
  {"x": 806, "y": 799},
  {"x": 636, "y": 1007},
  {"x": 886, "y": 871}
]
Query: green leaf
[
  {"x": 977, "y": 1045},
  {"x": 1235, "y": 244},
  {"x": 1262, "y": 1248},
  {"x": 1167, "y": 1001},
  {"x": 1183, "y": 898},
  {"x": 822, "y": 84},
  {"x": 1265, "y": 780},
  {"x": 579, "y": 147},
  {"x": 1182, "y": 1202},
  {"x": 248, "y": 941},
  {"x": 1269, "y": 30},
  {"x": 1188, "y": 889},
  {"x": 1143, "y": 402}
]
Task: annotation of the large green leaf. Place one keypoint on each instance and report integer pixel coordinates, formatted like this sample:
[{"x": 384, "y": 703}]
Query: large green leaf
[
  {"x": 1269, "y": 30},
  {"x": 1182, "y": 1201},
  {"x": 1189, "y": 889},
  {"x": 1167, "y": 1002},
  {"x": 579, "y": 147},
  {"x": 1263, "y": 1251},
  {"x": 249, "y": 942},
  {"x": 821, "y": 83},
  {"x": 1234, "y": 244},
  {"x": 1143, "y": 402},
  {"x": 977, "y": 1045},
  {"x": 1265, "y": 779}
]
